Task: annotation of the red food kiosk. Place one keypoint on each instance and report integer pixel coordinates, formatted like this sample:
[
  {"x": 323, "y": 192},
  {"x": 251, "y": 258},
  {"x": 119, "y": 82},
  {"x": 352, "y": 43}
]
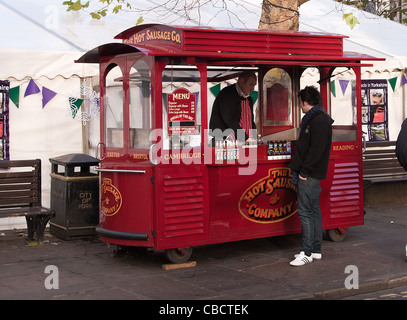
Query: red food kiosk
[{"x": 163, "y": 184}]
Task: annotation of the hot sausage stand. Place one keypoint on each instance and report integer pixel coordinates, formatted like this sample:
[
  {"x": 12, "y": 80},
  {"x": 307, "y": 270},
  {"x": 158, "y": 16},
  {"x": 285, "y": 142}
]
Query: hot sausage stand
[{"x": 166, "y": 186}]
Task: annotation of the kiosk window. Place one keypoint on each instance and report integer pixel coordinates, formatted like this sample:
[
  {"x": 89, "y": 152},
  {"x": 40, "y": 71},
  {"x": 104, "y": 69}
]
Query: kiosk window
[
  {"x": 181, "y": 107},
  {"x": 113, "y": 108},
  {"x": 343, "y": 105},
  {"x": 140, "y": 105},
  {"x": 277, "y": 106}
]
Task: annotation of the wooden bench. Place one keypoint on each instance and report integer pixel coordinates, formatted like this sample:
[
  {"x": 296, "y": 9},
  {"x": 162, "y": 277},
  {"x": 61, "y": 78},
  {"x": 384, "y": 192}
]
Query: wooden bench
[
  {"x": 20, "y": 195},
  {"x": 380, "y": 163}
]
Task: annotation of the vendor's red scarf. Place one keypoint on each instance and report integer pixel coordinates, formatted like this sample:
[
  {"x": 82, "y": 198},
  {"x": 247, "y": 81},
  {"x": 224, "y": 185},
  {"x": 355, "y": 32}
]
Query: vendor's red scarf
[{"x": 246, "y": 118}]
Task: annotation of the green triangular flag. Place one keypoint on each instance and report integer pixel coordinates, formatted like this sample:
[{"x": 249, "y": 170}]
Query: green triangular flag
[
  {"x": 333, "y": 89},
  {"x": 215, "y": 89},
  {"x": 254, "y": 95},
  {"x": 392, "y": 82},
  {"x": 75, "y": 105},
  {"x": 15, "y": 95}
]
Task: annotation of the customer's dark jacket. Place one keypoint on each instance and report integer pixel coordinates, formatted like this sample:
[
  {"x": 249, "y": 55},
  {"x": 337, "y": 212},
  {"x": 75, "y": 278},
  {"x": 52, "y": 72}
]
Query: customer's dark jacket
[
  {"x": 311, "y": 154},
  {"x": 401, "y": 145}
]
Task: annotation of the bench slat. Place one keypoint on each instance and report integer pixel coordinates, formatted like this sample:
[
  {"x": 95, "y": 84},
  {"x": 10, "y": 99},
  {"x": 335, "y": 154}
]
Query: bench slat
[
  {"x": 18, "y": 202},
  {"x": 18, "y": 194},
  {"x": 16, "y": 187},
  {"x": 380, "y": 163},
  {"x": 23, "y": 211},
  {"x": 11, "y": 180},
  {"x": 20, "y": 163},
  {"x": 16, "y": 174}
]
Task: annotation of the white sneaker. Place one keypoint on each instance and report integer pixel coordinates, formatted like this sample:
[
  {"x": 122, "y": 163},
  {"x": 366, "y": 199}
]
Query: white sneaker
[
  {"x": 315, "y": 256},
  {"x": 301, "y": 260}
]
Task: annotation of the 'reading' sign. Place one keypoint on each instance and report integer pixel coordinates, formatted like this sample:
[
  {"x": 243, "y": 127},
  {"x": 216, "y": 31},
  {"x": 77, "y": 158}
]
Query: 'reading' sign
[{"x": 270, "y": 199}]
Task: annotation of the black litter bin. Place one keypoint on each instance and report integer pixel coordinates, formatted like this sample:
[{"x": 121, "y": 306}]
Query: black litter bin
[{"x": 74, "y": 196}]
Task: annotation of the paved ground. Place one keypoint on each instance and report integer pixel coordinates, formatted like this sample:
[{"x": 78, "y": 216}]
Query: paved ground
[{"x": 249, "y": 270}]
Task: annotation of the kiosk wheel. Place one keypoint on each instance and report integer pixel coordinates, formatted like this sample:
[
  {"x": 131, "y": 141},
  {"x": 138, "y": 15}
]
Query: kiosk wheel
[
  {"x": 337, "y": 234},
  {"x": 178, "y": 255}
]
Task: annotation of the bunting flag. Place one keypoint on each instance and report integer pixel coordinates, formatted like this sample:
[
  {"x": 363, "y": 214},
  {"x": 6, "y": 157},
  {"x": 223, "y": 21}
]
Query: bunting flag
[
  {"x": 15, "y": 95},
  {"x": 333, "y": 89},
  {"x": 344, "y": 85},
  {"x": 75, "y": 105},
  {"x": 254, "y": 95},
  {"x": 92, "y": 109},
  {"x": 392, "y": 82},
  {"x": 215, "y": 89},
  {"x": 32, "y": 88},
  {"x": 47, "y": 95}
]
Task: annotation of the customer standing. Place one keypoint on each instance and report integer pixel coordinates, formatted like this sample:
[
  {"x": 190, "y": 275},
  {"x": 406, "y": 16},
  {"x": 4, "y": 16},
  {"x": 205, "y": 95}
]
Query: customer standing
[
  {"x": 401, "y": 145},
  {"x": 310, "y": 165}
]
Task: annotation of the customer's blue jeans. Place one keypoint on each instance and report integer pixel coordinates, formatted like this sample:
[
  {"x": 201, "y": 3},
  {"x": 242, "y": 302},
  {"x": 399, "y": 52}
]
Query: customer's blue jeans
[{"x": 310, "y": 215}]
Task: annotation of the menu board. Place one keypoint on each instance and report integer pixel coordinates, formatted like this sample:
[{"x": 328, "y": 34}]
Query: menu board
[
  {"x": 375, "y": 109},
  {"x": 181, "y": 108}
]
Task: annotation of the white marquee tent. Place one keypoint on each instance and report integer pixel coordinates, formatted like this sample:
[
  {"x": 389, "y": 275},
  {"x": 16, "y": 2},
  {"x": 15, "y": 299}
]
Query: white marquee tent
[{"x": 40, "y": 41}]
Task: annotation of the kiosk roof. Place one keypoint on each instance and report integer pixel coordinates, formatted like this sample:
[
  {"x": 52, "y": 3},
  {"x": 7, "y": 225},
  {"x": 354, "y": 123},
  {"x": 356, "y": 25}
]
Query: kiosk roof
[{"x": 227, "y": 44}]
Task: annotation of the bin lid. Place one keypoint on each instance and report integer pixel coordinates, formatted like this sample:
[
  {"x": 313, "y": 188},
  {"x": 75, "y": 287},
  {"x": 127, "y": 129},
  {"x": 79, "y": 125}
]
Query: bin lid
[{"x": 75, "y": 159}]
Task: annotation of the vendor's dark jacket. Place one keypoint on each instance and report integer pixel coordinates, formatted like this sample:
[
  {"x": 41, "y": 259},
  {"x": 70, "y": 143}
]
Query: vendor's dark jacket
[
  {"x": 312, "y": 150},
  {"x": 226, "y": 111}
]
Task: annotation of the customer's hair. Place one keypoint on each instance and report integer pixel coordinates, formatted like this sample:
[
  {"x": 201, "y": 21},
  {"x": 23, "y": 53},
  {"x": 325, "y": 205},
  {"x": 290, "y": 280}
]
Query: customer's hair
[{"x": 311, "y": 95}]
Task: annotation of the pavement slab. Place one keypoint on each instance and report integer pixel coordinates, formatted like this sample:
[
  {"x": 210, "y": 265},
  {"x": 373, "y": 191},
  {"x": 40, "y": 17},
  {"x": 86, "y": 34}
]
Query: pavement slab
[{"x": 256, "y": 270}]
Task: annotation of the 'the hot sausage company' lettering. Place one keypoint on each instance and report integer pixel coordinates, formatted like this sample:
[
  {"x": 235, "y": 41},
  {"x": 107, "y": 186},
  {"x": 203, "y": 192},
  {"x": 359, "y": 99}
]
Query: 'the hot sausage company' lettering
[
  {"x": 268, "y": 186},
  {"x": 111, "y": 199},
  {"x": 173, "y": 36},
  {"x": 270, "y": 199},
  {"x": 267, "y": 213}
]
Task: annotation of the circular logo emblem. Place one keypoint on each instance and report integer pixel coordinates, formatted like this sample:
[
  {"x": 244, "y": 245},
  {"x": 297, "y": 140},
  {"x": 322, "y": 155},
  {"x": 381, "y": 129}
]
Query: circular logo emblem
[
  {"x": 111, "y": 199},
  {"x": 270, "y": 199}
]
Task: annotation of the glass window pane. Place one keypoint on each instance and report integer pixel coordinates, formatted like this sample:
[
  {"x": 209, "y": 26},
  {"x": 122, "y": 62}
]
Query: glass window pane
[
  {"x": 343, "y": 106},
  {"x": 277, "y": 94},
  {"x": 113, "y": 108},
  {"x": 181, "y": 107},
  {"x": 140, "y": 105}
]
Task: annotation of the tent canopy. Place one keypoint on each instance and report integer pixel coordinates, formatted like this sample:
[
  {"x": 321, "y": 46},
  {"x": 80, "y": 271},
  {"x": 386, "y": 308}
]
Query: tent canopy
[
  {"x": 24, "y": 64},
  {"x": 46, "y": 25},
  {"x": 374, "y": 35},
  {"x": 50, "y": 36}
]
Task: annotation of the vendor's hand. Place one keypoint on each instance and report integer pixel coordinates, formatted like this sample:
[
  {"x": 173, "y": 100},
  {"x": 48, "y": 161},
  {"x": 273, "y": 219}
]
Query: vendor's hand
[
  {"x": 251, "y": 140},
  {"x": 302, "y": 178}
]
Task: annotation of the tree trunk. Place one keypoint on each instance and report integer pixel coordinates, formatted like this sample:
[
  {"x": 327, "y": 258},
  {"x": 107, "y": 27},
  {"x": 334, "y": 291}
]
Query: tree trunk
[{"x": 280, "y": 14}]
